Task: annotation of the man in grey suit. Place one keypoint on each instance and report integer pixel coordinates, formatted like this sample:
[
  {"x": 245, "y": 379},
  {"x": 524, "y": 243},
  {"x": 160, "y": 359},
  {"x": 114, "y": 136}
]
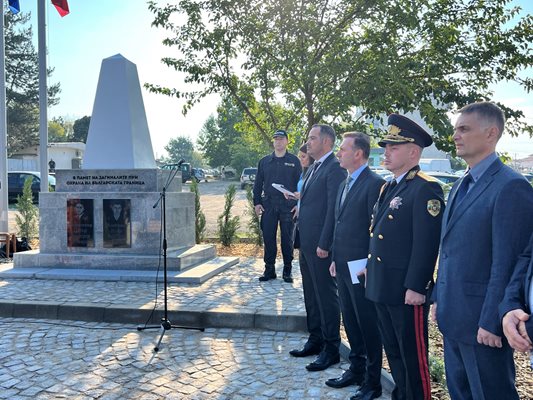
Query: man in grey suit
[
  {"x": 353, "y": 213},
  {"x": 486, "y": 225},
  {"x": 316, "y": 222}
]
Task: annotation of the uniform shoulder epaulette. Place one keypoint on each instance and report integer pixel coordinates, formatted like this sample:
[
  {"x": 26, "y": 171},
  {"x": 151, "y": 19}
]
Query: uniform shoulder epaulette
[
  {"x": 411, "y": 175},
  {"x": 427, "y": 177}
]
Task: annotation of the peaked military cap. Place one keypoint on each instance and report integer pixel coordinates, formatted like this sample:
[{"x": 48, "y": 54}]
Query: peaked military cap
[{"x": 403, "y": 130}]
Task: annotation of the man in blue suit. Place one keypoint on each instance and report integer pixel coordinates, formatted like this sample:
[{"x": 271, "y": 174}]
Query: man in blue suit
[
  {"x": 316, "y": 222},
  {"x": 516, "y": 306},
  {"x": 353, "y": 212},
  {"x": 486, "y": 225}
]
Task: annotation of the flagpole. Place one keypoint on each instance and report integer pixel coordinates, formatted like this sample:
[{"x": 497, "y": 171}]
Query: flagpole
[
  {"x": 43, "y": 96},
  {"x": 4, "y": 219}
]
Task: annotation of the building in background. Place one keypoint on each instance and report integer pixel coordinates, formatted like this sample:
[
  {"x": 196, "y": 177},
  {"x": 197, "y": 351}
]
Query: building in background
[{"x": 65, "y": 155}]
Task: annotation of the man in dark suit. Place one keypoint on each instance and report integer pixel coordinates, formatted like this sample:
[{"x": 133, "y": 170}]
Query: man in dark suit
[
  {"x": 515, "y": 309},
  {"x": 353, "y": 212},
  {"x": 316, "y": 222},
  {"x": 404, "y": 242},
  {"x": 486, "y": 225}
]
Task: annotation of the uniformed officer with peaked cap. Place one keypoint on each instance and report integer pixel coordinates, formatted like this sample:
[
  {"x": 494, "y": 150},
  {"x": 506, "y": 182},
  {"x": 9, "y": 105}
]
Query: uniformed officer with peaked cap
[{"x": 404, "y": 242}]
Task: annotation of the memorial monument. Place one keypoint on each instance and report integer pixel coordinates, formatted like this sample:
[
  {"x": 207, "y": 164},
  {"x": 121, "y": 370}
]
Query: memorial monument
[{"x": 102, "y": 220}]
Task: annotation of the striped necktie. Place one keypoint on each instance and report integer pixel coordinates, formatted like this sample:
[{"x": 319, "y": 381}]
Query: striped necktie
[{"x": 346, "y": 189}]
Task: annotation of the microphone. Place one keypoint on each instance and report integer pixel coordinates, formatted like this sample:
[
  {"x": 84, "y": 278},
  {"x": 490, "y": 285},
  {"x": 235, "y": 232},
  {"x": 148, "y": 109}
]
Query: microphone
[{"x": 178, "y": 164}]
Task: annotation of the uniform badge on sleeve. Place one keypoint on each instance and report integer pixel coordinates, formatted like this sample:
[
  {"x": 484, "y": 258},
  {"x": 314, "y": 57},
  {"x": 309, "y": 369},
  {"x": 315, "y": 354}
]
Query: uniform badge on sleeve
[{"x": 434, "y": 207}]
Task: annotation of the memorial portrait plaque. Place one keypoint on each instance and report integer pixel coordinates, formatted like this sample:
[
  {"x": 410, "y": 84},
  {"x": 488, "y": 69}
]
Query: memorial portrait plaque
[
  {"x": 117, "y": 223},
  {"x": 80, "y": 223}
]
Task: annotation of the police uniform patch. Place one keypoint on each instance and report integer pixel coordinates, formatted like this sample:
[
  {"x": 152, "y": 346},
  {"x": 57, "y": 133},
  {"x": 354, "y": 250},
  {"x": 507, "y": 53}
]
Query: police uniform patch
[{"x": 434, "y": 207}]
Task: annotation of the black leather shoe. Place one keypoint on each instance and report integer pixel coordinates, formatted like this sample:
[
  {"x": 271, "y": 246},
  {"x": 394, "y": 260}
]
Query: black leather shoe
[
  {"x": 266, "y": 277},
  {"x": 346, "y": 379},
  {"x": 308, "y": 350},
  {"x": 270, "y": 273},
  {"x": 323, "y": 361},
  {"x": 287, "y": 276},
  {"x": 367, "y": 393}
]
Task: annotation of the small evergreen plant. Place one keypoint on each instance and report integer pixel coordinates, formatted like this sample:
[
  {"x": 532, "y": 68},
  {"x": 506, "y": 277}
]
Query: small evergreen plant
[
  {"x": 200, "y": 216},
  {"x": 27, "y": 213},
  {"x": 254, "y": 225},
  {"x": 228, "y": 225}
]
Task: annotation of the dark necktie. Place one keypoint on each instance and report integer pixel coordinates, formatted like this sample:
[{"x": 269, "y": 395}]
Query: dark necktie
[
  {"x": 346, "y": 189},
  {"x": 388, "y": 190},
  {"x": 312, "y": 172},
  {"x": 462, "y": 190}
]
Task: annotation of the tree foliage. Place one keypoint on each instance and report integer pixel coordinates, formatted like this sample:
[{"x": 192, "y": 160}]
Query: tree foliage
[
  {"x": 228, "y": 224},
  {"x": 346, "y": 61},
  {"x": 179, "y": 148},
  {"x": 27, "y": 213},
  {"x": 22, "y": 83},
  {"x": 199, "y": 221},
  {"x": 60, "y": 130},
  {"x": 81, "y": 129}
]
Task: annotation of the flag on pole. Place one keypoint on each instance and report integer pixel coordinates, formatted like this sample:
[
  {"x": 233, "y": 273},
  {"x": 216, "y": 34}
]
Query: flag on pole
[
  {"x": 61, "y": 6},
  {"x": 14, "y": 6}
]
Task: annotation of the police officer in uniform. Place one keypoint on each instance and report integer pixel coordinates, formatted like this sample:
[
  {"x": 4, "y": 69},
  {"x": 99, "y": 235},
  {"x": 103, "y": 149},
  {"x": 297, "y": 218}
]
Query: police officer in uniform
[
  {"x": 404, "y": 243},
  {"x": 283, "y": 168}
]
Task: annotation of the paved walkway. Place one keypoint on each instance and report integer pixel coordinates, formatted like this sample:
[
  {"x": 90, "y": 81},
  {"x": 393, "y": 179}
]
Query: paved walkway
[{"x": 57, "y": 358}]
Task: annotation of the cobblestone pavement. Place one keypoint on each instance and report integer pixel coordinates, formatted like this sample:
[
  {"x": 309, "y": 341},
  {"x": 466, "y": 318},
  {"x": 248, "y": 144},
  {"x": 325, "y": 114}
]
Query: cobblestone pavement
[
  {"x": 237, "y": 287},
  {"x": 54, "y": 360}
]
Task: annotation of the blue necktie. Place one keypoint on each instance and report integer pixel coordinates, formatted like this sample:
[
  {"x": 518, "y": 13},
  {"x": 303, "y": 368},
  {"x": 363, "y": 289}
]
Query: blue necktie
[{"x": 462, "y": 190}]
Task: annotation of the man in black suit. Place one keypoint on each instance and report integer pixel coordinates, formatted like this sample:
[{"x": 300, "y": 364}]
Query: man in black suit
[
  {"x": 404, "y": 242},
  {"x": 316, "y": 222},
  {"x": 353, "y": 213},
  {"x": 516, "y": 307}
]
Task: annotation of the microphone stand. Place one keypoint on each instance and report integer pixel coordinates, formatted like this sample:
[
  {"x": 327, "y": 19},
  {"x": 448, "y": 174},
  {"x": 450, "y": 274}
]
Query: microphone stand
[{"x": 165, "y": 325}]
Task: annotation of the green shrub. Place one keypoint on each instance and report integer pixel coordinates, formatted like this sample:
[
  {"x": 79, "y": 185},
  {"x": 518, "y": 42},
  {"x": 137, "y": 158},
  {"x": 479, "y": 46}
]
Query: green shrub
[
  {"x": 27, "y": 213},
  {"x": 199, "y": 222},
  {"x": 228, "y": 225},
  {"x": 254, "y": 226}
]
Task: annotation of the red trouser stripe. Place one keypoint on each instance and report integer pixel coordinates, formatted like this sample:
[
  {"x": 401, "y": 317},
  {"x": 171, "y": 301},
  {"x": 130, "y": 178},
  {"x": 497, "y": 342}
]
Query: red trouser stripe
[{"x": 421, "y": 350}]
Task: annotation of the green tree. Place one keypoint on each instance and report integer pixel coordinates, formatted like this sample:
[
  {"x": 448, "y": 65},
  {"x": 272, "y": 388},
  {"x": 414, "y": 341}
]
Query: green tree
[
  {"x": 26, "y": 218},
  {"x": 199, "y": 215},
  {"x": 348, "y": 61},
  {"x": 56, "y": 132},
  {"x": 219, "y": 133},
  {"x": 80, "y": 130},
  {"x": 228, "y": 224},
  {"x": 22, "y": 83},
  {"x": 59, "y": 130},
  {"x": 178, "y": 148}
]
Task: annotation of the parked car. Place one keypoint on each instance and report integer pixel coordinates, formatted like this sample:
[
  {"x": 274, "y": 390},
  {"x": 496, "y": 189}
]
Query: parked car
[
  {"x": 384, "y": 173},
  {"x": 15, "y": 184},
  {"x": 443, "y": 176},
  {"x": 185, "y": 169},
  {"x": 248, "y": 177},
  {"x": 198, "y": 174}
]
